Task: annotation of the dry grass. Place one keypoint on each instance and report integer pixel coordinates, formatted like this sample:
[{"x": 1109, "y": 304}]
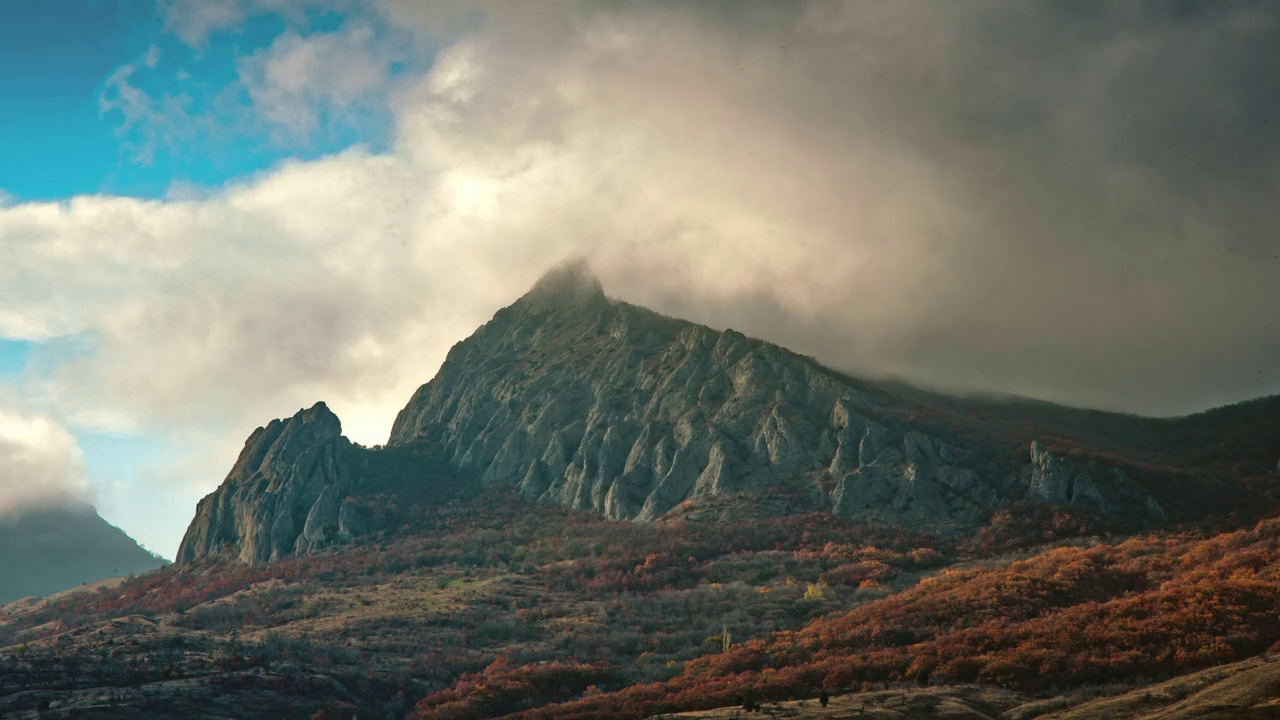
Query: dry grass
[
  {"x": 1241, "y": 690},
  {"x": 1248, "y": 690},
  {"x": 949, "y": 703}
]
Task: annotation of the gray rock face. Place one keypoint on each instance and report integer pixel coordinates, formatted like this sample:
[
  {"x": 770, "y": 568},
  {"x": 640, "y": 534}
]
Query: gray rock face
[
  {"x": 580, "y": 401},
  {"x": 1058, "y": 481},
  {"x": 284, "y": 495}
]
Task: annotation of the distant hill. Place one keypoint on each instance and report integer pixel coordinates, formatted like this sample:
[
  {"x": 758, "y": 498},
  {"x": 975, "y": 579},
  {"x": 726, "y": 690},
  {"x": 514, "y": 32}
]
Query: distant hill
[{"x": 46, "y": 549}]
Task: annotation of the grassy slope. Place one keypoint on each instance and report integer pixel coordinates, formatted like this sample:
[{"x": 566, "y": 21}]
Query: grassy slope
[
  {"x": 459, "y": 586},
  {"x": 478, "y": 608},
  {"x": 1247, "y": 689}
]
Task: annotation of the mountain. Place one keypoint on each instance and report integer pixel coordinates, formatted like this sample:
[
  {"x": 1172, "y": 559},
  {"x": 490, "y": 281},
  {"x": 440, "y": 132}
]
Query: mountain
[
  {"x": 596, "y": 512},
  {"x": 594, "y": 404},
  {"x": 578, "y": 400},
  {"x": 49, "y": 548}
]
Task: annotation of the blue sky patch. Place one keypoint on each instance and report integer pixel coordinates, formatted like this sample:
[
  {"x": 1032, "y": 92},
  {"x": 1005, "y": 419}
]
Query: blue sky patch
[
  {"x": 65, "y": 130},
  {"x": 14, "y": 355}
]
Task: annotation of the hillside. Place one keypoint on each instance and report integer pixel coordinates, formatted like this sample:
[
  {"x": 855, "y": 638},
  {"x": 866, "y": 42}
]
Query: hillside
[
  {"x": 1141, "y": 610},
  {"x": 1217, "y": 466},
  {"x": 46, "y": 549},
  {"x": 1239, "y": 690},
  {"x": 488, "y": 606},
  {"x": 452, "y": 587}
]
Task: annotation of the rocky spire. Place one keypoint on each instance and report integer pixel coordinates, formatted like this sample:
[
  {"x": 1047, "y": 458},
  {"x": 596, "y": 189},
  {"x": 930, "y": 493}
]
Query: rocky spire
[{"x": 281, "y": 495}]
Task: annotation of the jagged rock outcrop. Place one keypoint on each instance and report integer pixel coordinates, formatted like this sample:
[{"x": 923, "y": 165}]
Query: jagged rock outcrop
[
  {"x": 287, "y": 494},
  {"x": 1056, "y": 480}
]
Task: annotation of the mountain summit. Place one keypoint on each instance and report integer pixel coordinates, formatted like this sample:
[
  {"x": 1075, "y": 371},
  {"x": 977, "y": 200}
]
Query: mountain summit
[
  {"x": 610, "y": 407},
  {"x": 570, "y": 284},
  {"x": 282, "y": 496},
  {"x": 577, "y": 400}
]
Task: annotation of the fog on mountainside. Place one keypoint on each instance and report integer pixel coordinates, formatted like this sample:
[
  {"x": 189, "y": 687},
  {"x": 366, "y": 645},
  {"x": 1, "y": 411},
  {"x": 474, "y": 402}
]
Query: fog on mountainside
[{"x": 51, "y": 537}]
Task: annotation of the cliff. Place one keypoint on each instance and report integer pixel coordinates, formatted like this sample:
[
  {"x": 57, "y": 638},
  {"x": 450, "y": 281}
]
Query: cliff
[{"x": 285, "y": 495}]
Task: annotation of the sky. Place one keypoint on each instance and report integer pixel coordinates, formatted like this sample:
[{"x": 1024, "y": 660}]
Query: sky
[{"x": 216, "y": 212}]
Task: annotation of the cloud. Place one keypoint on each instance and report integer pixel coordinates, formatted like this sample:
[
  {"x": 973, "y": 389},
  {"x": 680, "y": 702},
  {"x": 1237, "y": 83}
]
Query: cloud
[
  {"x": 977, "y": 196},
  {"x": 1050, "y": 202},
  {"x": 972, "y": 196},
  {"x": 231, "y": 309},
  {"x": 39, "y": 462},
  {"x": 299, "y": 80},
  {"x": 300, "y": 88},
  {"x": 148, "y": 121},
  {"x": 194, "y": 20}
]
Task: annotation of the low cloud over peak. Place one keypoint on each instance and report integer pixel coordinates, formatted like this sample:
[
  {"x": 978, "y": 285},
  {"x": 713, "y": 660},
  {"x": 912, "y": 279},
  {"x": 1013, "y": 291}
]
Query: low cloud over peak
[{"x": 40, "y": 463}]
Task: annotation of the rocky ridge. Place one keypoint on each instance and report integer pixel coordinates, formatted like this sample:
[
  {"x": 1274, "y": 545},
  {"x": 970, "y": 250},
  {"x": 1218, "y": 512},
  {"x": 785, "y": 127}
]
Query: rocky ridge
[
  {"x": 289, "y": 493},
  {"x": 582, "y": 401},
  {"x": 579, "y": 400}
]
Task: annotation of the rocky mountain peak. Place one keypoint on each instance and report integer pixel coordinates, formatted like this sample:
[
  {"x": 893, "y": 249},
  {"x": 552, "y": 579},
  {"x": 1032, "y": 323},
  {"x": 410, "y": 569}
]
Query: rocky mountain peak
[
  {"x": 569, "y": 284},
  {"x": 283, "y": 495},
  {"x": 574, "y": 400},
  {"x": 631, "y": 414}
]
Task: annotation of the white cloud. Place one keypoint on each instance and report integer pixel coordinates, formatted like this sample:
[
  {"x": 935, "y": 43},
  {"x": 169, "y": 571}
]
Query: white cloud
[
  {"x": 39, "y": 462},
  {"x": 232, "y": 309},
  {"x": 300, "y": 79},
  {"x": 147, "y": 121},
  {"x": 194, "y": 20}
]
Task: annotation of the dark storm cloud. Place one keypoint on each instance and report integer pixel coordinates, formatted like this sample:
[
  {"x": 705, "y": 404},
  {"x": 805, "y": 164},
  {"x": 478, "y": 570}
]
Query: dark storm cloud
[{"x": 1097, "y": 222}]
